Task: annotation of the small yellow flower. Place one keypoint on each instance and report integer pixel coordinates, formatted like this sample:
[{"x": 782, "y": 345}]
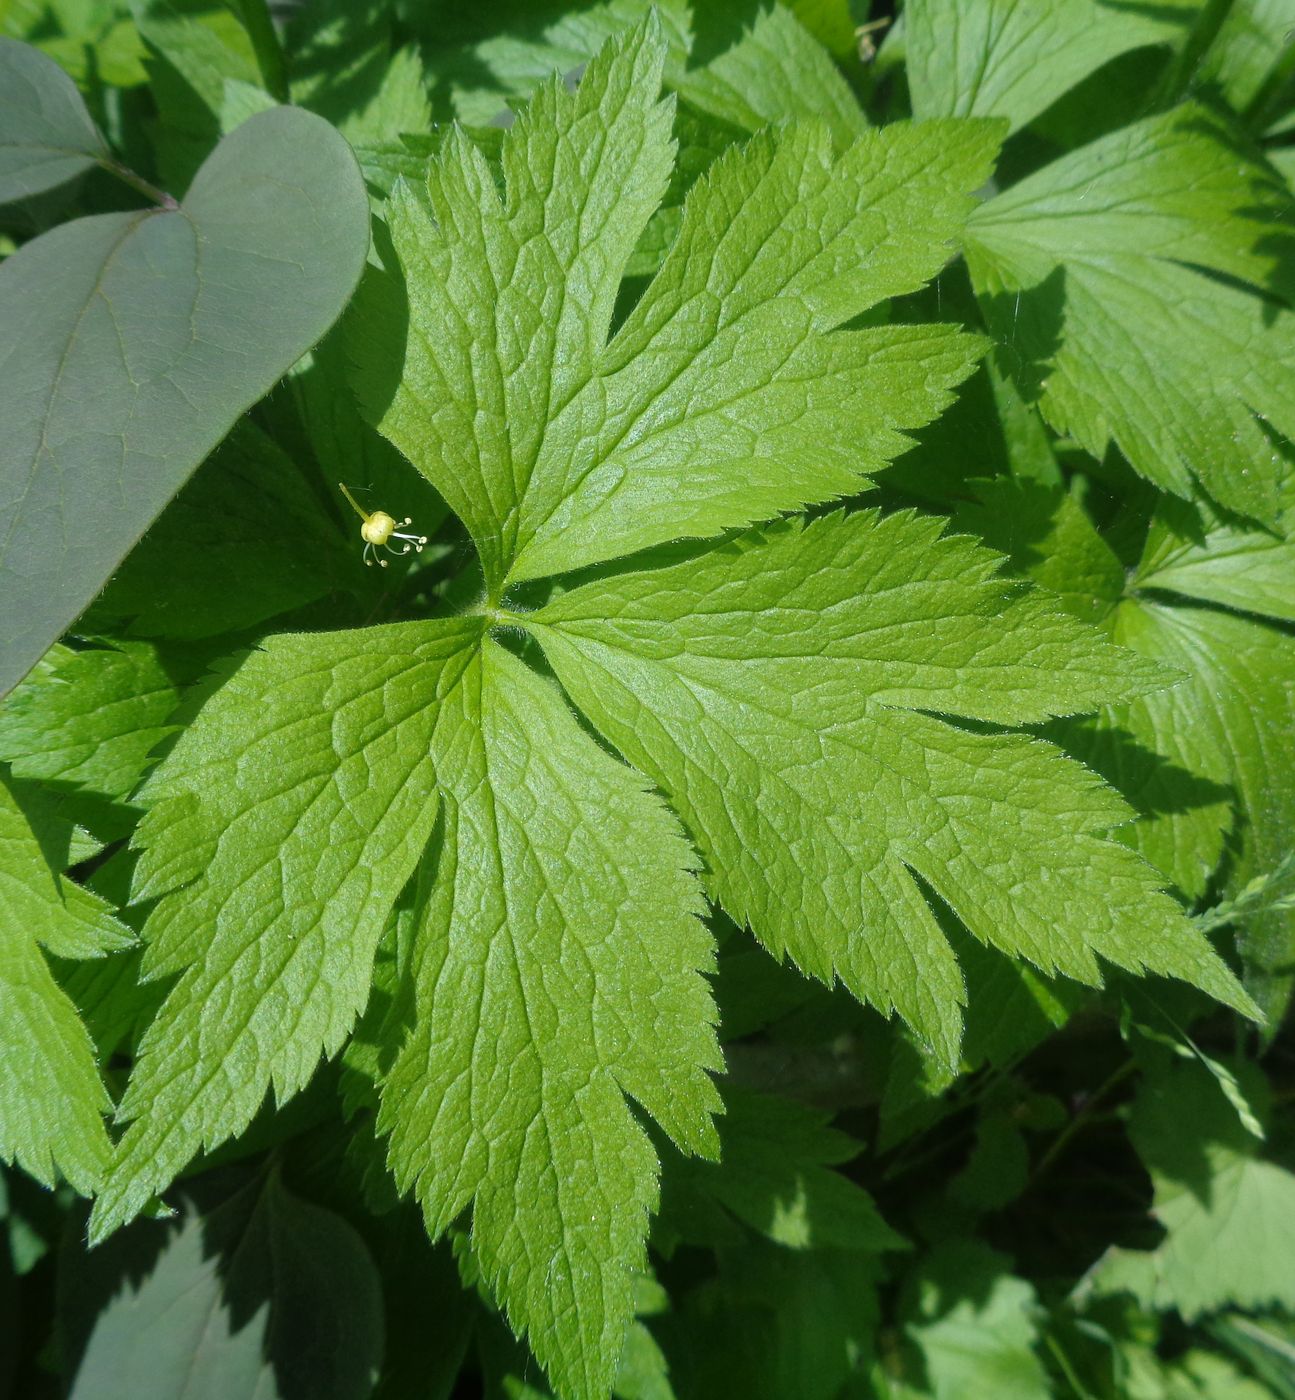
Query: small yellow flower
[{"x": 379, "y": 529}]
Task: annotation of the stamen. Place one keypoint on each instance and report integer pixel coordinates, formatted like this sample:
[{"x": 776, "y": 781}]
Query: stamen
[{"x": 379, "y": 529}]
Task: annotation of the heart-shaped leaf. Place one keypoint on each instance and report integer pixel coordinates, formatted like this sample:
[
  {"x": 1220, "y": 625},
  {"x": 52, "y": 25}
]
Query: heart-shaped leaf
[
  {"x": 134, "y": 341},
  {"x": 46, "y": 134}
]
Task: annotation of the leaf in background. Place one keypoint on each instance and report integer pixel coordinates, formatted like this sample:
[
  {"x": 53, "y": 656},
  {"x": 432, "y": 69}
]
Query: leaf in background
[
  {"x": 726, "y": 396},
  {"x": 745, "y": 63},
  {"x": 1046, "y": 533},
  {"x": 1250, "y": 55},
  {"x": 1236, "y": 722},
  {"x": 1216, "y": 752},
  {"x": 51, "y": 1097},
  {"x": 89, "y": 719},
  {"x": 1151, "y": 749},
  {"x": 265, "y": 1297},
  {"x": 346, "y": 67},
  {"x": 1212, "y": 754},
  {"x": 778, "y": 688},
  {"x": 193, "y": 47},
  {"x": 557, "y": 970},
  {"x": 129, "y": 356},
  {"x": 774, "y": 1174},
  {"x": 46, "y": 135},
  {"x": 753, "y": 65},
  {"x": 774, "y": 1323},
  {"x": 1081, "y": 271},
  {"x": 244, "y": 540},
  {"x": 975, "y": 1324},
  {"x": 1194, "y": 551},
  {"x": 1228, "y": 1215},
  {"x": 349, "y": 449},
  {"x": 999, "y": 58},
  {"x": 279, "y": 831}
]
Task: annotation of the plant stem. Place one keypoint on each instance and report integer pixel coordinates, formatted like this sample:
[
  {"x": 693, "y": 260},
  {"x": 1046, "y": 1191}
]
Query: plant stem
[
  {"x": 1082, "y": 1118},
  {"x": 137, "y": 182}
]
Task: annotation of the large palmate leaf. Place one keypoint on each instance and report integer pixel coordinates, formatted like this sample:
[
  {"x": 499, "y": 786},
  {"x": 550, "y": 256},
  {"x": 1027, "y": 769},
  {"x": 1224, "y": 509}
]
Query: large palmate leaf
[
  {"x": 783, "y": 690},
  {"x": 133, "y": 342},
  {"x": 557, "y": 965},
  {"x": 1083, "y": 272}
]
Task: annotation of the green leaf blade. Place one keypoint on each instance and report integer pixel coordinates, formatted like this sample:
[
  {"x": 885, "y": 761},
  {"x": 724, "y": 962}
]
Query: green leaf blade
[
  {"x": 557, "y": 971},
  {"x": 52, "y": 1100},
  {"x": 995, "y": 58},
  {"x": 681, "y": 669},
  {"x": 89, "y": 718},
  {"x": 728, "y": 394},
  {"x": 1193, "y": 552},
  {"x": 720, "y": 400},
  {"x": 46, "y": 135},
  {"x": 279, "y": 833},
  {"x": 1085, "y": 270},
  {"x": 497, "y": 285}
]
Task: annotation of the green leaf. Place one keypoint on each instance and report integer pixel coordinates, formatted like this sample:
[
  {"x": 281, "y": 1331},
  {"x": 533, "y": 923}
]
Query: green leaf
[
  {"x": 1247, "y": 54},
  {"x": 68, "y": 920},
  {"x": 347, "y": 69},
  {"x": 1231, "y": 724},
  {"x": 1151, "y": 749},
  {"x": 556, "y": 971},
  {"x": 1194, "y": 551},
  {"x": 775, "y": 1323},
  {"x": 265, "y": 1297},
  {"x": 89, "y": 719},
  {"x": 1271, "y": 889},
  {"x": 501, "y": 56},
  {"x": 756, "y": 65},
  {"x": 998, "y": 58},
  {"x": 244, "y": 540},
  {"x": 1046, "y": 534},
  {"x": 193, "y": 48},
  {"x": 46, "y": 135},
  {"x": 1212, "y": 755},
  {"x": 1228, "y": 1215},
  {"x": 280, "y": 830},
  {"x": 774, "y": 1174},
  {"x": 743, "y": 64},
  {"x": 976, "y": 1325},
  {"x": 761, "y": 682},
  {"x": 136, "y": 340},
  {"x": 1081, "y": 270},
  {"x": 726, "y": 396},
  {"x": 642, "y": 1373},
  {"x": 51, "y": 1097}
]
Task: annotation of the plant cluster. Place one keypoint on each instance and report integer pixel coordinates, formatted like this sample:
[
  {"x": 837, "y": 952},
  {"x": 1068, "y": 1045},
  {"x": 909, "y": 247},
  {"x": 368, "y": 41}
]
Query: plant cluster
[{"x": 782, "y": 883}]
